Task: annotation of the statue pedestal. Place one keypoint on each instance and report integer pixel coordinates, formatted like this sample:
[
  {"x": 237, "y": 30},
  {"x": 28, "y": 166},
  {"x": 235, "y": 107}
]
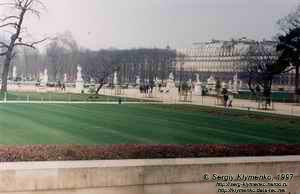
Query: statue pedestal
[
  {"x": 171, "y": 88},
  {"x": 43, "y": 83},
  {"x": 118, "y": 90},
  {"x": 170, "y": 84}
]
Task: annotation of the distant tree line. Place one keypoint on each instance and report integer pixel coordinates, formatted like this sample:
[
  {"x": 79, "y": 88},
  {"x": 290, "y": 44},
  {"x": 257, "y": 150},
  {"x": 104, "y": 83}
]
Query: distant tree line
[{"x": 62, "y": 56}]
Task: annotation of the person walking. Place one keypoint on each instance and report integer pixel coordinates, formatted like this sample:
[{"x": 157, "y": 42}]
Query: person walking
[{"x": 225, "y": 97}]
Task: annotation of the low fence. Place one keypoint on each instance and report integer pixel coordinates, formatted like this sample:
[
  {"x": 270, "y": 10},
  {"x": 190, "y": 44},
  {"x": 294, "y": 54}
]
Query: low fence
[{"x": 174, "y": 176}]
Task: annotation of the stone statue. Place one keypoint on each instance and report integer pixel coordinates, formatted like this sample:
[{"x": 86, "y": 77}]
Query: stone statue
[
  {"x": 65, "y": 78},
  {"x": 171, "y": 76},
  {"x": 197, "y": 78},
  {"x": 235, "y": 88},
  {"x": 138, "y": 80},
  {"x": 79, "y": 76},
  {"x": 115, "y": 81},
  {"x": 211, "y": 85},
  {"x": 198, "y": 86},
  {"x": 171, "y": 87},
  {"x": 44, "y": 76},
  {"x": 224, "y": 85},
  {"x": 79, "y": 81},
  {"x": 14, "y": 73}
]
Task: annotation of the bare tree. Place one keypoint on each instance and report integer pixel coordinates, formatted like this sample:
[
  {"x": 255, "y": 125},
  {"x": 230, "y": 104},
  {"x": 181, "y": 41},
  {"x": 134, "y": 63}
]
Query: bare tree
[
  {"x": 62, "y": 56},
  {"x": 14, "y": 25},
  {"x": 99, "y": 65}
]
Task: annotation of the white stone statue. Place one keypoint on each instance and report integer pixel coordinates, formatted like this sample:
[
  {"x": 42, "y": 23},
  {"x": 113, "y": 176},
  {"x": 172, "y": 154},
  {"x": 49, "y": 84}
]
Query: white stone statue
[
  {"x": 235, "y": 88},
  {"x": 79, "y": 80},
  {"x": 79, "y": 75},
  {"x": 138, "y": 80},
  {"x": 171, "y": 76},
  {"x": 156, "y": 81},
  {"x": 44, "y": 76},
  {"x": 115, "y": 81},
  {"x": 65, "y": 78},
  {"x": 197, "y": 78},
  {"x": 41, "y": 76},
  {"x": 14, "y": 73},
  {"x": 224, "y": 85},
  {"x": 211, "y": 85},
  {"x": 171, "y": 82},
  {"x": 171, "y": 86}
]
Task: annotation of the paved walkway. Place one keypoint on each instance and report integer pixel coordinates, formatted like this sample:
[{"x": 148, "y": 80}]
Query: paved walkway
[{"x": 172, "y": 98}]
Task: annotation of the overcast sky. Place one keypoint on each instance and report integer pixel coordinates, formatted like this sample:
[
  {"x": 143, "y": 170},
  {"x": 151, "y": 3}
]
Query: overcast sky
[{"x": 156, "y": 23}]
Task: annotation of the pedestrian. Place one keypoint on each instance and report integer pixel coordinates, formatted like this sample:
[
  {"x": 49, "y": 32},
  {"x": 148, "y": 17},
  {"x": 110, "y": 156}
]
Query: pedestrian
[
  {"x": 63, "y": 87},
  {"x": 225, "y": 97}
]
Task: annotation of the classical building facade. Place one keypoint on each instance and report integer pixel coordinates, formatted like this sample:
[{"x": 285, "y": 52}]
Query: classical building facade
[{"x": 221, "y": 59}]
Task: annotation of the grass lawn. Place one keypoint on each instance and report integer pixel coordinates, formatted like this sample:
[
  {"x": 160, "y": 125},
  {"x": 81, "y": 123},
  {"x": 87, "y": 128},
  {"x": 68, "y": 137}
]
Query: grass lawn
[
  {"x": 88, "y": 124},
  {"x": 276, "y": 96},
  {"x": 51, "y": 96}
]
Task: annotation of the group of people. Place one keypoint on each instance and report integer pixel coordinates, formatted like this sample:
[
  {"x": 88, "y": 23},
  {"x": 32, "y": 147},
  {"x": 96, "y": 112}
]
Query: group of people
[
  {"x": 228, "y": 98},
  {"x": 146, "y": 89},
  {"x": 61, "y": 86}
]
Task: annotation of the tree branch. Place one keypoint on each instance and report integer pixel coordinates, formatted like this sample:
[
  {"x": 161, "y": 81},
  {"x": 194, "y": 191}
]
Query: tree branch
[
  {"x": 3, "y": 54},
  {"x": 3, "y": 45},
  {"x": 31, "y": 45},
  {"x": 9, "y": 17},
  {"x": 288, "y": 70},
  {"x": 9, "y": 24}
]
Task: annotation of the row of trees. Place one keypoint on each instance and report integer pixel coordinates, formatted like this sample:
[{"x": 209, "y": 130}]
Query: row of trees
[
  {"x": 148, "y": 64},
  {"x": 63, "y": 54}
]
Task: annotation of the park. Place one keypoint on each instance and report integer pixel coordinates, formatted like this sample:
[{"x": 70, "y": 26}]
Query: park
[
  {"x": 135, "y": 98},
  {"x": 237, "y": 91}
]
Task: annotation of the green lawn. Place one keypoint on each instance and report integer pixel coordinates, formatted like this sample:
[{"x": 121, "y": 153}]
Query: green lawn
[
  {"x": 142, "y": 124},
  {"x": 276, "y": 96},
  {"x": 51, "y": 96}
]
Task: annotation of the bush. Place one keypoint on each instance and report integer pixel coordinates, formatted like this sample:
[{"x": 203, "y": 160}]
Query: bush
[{"x": 78, "y": 152}]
